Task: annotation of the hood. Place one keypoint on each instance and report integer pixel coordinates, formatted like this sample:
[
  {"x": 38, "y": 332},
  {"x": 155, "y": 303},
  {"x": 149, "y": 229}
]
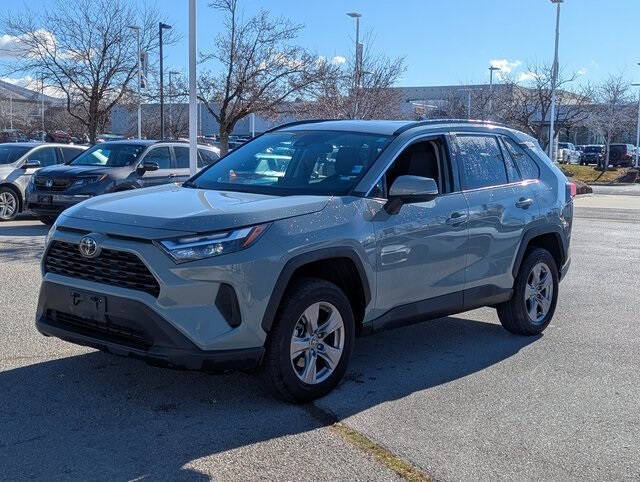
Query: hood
[
  {"x": 172, "y": 207},
  {"x": 63, "y": 170}
]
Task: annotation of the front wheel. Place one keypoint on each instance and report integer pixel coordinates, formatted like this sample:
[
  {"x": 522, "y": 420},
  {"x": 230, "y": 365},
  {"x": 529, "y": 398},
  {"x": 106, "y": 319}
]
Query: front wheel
[
  {"x": 9, "y": 204},
  {"x": 309, "y": 347},
  {"x": 535, "y": 295}
]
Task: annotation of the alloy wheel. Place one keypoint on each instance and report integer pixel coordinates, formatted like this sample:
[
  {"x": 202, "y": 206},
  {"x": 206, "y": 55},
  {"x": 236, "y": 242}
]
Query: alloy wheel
[
  {"x": 317, "y": 343},
  {"x": 8, "y": 205},
  {"x": 539, "y": 292}
]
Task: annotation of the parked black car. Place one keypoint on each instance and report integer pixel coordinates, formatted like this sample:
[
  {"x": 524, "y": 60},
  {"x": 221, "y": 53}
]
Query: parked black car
[
  {"x": 592, "y": 154},
  {"x": 621, "y": 154},
  {"x": 111, "y": 167}
]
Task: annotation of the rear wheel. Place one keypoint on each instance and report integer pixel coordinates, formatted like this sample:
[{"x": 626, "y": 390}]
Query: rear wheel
[
  {"x": 311, "y": 342},
  {"x": 535, "y": 295},
  {"x": 9, "y": 204}
]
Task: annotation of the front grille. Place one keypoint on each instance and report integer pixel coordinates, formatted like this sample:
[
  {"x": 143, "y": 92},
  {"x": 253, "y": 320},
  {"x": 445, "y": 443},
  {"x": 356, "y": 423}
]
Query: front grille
[
  {"x": 59, "y": 184},
  {"x": 117, "y": 268},
  {"x": 112, "y": 330}
]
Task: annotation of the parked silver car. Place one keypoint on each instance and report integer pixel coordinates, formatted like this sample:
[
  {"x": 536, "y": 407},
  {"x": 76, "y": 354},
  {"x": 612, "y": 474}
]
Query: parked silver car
[{"x": 18, "y": 162}]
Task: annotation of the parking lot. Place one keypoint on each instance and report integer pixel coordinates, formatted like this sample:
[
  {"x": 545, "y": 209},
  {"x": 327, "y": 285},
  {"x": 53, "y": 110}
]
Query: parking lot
[{"x": 454, "y": 398}]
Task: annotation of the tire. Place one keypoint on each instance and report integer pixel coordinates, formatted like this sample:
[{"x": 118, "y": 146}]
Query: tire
[
  {"x": 48, "y": 220},
  {"x": 284, "y": 372},
  {"x": 9, "y": 204},
  {"x": 516, "y": 314}
]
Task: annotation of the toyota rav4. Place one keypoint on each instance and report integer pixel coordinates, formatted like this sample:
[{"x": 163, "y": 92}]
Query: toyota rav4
[{"x": 284, "y": 251}]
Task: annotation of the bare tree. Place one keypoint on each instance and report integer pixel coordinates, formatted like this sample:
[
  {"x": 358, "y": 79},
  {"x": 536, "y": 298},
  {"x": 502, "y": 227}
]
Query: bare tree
[
  {"x": 259, "y": 68},
  {"x": 85, "y": 50},
  {"x": 528, "y": 104},
  {"x": 614, "y": 113},
  {"x": 343, "y": 96}
]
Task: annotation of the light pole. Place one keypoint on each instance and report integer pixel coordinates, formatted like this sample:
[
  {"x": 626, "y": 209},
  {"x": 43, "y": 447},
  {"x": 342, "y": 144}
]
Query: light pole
[
  {"x": 358, "y": 66},
  {"x": 11, "y": 111},
  {"x": 42, "y": 105},
  {"x": 172, "y": 94},
  {"x": 637, "y": 126},
  {"x": 137, "y": 30},
  {"x": 193, "y": 99},
  {"x": 491, "y": 70},
  {"x": 161, "y": 27},
  {"x": 554, "y": 80}
]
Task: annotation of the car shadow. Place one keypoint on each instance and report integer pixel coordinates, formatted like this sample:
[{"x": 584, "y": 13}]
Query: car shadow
[
  {"x": 94, "y": 413},
  {"x": 23, "y": 230}
]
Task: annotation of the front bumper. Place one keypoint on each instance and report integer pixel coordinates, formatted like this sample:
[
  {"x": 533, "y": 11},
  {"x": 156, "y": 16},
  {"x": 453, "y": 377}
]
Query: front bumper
[
  {"x": 56, "y": 203},
  {"x": 127, "y": 327}
]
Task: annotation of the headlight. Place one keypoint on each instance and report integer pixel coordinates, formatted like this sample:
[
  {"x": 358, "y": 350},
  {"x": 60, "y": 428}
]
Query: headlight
[
  {"x": 83, "y": 181},
  {"x": 203, "y": 246}
]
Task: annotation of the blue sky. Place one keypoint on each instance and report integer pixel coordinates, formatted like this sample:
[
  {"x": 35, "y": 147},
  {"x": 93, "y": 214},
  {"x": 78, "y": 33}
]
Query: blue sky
[{"x": 447, "y": 41}]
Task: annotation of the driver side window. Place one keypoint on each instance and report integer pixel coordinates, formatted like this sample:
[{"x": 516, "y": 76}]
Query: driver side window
[{"x": 419, "y": 159}]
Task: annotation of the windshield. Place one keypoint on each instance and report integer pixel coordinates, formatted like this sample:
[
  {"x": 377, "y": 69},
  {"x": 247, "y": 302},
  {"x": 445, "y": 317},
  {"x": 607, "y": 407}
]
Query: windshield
[
  {"x": 109, "y": 155},
  {"x": 10, "y": 154},
  {"x": 300, "y": 162}
]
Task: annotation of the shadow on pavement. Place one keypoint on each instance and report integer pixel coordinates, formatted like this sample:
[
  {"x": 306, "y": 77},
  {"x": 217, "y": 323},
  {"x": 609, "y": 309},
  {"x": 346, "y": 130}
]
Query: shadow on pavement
[
  {"x": 99, "y": 416},
  {"x": 23, "y": 230}
]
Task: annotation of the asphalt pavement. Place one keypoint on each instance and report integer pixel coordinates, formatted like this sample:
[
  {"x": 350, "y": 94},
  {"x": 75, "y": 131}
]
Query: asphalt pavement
[{"x": 455, "y": 398}]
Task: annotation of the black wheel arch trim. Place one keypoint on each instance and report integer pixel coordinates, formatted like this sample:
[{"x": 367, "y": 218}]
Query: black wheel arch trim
[
  {"x": 305, "y": 258},
  {"x": 534, "y": 232}
]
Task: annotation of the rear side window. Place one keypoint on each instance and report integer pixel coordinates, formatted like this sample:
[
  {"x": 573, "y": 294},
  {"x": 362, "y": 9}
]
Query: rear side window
[
  {"x": 480, "y": 161},
  {"x": 161, "y": 155},
  {"x": 206, "y": 157},
  {"x": 527, "y": 166},
  {"x": 182, "y": 157},
  {"x": 69, "y": 154}
]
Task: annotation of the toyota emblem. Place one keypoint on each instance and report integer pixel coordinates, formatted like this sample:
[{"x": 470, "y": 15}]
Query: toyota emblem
[{"x": 89, "y": 247}]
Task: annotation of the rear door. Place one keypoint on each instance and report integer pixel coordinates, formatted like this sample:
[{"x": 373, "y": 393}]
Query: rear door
[
  {"x": 181, "y": 167},
  {"x": 161, "y": 155},
  {"x": 498, "y": 213}
]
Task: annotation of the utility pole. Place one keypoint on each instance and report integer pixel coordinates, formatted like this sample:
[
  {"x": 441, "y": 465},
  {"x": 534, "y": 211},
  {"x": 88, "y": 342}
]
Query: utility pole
[
  {"x": 172, "y": 94},
  {"x": 491, "y": 70},
  {"x": 137, "y": 29},
  {"x": 161, "y": 27},
  {"x": 11, "y": 111},
  {"x": 554, "y": 81},
  {"x": 193, "y": 98},
  {"x": 42, "y": 135},
  {"x": 637, "y": 127},
  {"x": 358, "y": 64}
]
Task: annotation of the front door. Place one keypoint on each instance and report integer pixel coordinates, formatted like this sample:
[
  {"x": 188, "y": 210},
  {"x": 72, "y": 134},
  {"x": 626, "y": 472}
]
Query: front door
[
  {"x": 422, "y": 250},
  {"x": 161, "y": 155}
]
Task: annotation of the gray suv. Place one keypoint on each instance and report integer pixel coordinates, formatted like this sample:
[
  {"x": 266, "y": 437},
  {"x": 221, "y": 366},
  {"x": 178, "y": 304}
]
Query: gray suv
[{"x": 315, "y": 232}]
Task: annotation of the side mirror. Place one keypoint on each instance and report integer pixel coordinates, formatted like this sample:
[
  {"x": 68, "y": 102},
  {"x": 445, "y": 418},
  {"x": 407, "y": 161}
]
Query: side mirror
[
  {"x": 410, "y": 189},
  {"x": 148, "y": 166},
  {"x": 31, "y": 164}
]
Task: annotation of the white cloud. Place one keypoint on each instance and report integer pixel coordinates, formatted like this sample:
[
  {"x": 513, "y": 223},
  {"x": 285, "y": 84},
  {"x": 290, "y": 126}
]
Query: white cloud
[
  {"x": 12, "y": 47},
  {"x": 582, "y": 71},
  {"x": 505, "y": 66},
  {"x": 15, "y": 47},
  {"x": 526, "y": 76},
  {"x": 338, "y": 59}
]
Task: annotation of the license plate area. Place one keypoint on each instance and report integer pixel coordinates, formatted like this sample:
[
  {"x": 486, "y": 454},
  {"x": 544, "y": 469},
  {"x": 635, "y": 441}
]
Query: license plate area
[{"x": 87, "y": 305}]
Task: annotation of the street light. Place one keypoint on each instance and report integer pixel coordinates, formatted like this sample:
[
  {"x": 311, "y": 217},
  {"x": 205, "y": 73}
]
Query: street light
[
  {"x": 137, "y": 30},
  {"x": 554, "y": 80},
  {"x": 491, "y": 70},
  {"x": 161, "y": 27},
  {"x": 468, "y": 91},
  {"x": 637, "y": 125},
  {"x": 193, "y": 99},
  {"x": 358, "y": 65}
]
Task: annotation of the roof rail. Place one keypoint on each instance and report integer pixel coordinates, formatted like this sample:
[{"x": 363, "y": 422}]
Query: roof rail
[
  {"x": 429, "y": 122},
  {"x": 296, "y": 123}
]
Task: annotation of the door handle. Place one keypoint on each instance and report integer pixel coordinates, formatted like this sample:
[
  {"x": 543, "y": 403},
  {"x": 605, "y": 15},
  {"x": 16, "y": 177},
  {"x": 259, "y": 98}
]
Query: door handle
[
  {"x": 524, "y": 203},
  {"x": 457, "y": 218}
]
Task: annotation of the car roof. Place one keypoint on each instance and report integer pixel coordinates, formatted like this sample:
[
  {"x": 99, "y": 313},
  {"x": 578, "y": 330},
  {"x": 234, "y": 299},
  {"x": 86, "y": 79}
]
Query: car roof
[
  {"x": 381, "y": 127},
  {"x": 38, "y": 144}
]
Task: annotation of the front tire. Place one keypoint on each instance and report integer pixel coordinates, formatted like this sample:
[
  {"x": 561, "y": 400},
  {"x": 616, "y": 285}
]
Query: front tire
[
  {"x": 9, "y": 204},
  {"x": 535, "y": 295},
  {"x": 309, "y": 346}
]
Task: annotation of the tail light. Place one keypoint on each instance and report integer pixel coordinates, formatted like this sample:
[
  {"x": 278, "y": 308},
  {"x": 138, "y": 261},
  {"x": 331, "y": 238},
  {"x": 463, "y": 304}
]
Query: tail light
[{"x": 571, "y": 190}]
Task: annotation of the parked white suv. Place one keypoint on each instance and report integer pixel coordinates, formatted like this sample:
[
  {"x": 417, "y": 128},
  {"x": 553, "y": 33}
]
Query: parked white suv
[{"x": 568, "y": 154}]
